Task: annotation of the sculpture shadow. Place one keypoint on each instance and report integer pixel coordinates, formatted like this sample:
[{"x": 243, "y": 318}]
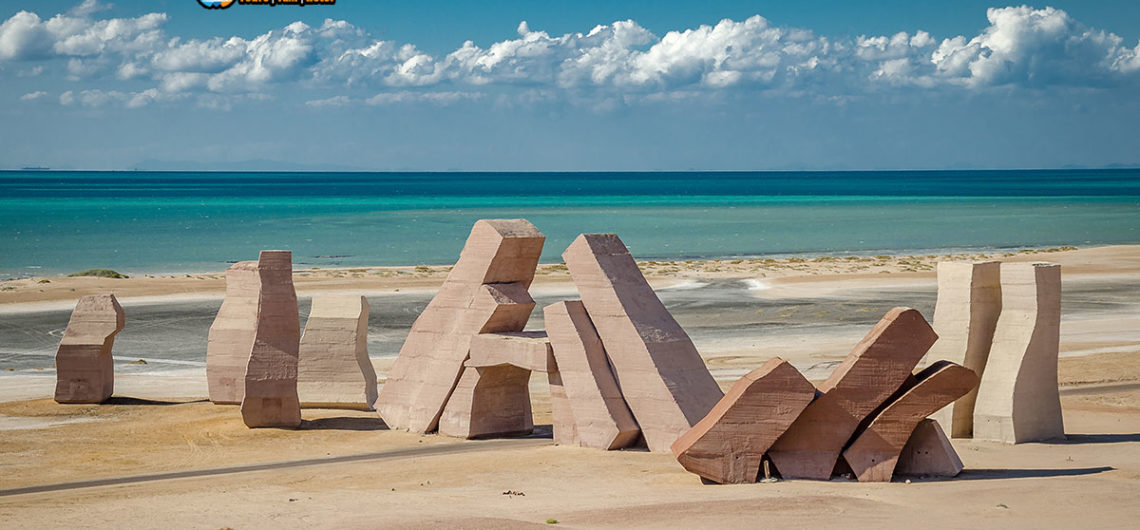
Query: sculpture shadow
[
  {"x": 992, "y": 474},
  {"x": 542, "y": 431},
  {"x": 132, "y": 401},
  {"x": 345, "y": 423},
  {"x": 1079, "y": 439}
]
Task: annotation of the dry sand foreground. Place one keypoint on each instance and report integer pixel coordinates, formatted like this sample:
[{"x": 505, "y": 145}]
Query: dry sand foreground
[{"x": 345, "y": 470}]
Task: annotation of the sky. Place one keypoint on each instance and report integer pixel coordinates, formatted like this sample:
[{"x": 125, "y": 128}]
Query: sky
[{"x": 405, "y": 85}]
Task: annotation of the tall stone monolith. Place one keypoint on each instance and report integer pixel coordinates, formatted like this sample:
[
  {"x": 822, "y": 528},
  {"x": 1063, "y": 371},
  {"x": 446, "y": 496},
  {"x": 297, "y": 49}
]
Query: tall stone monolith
[
  {"x": 663, "y": 378},
  {"x": 333, "y": 368},
  {"x": 969, "y": 302},
  {"x": 270, "y": 398},
  {"x": 1018, "y": 398},
  {"x": 85, "y": 371},
  {"x": 232, "y": 333},
  {"x": 485, "y": 292}
]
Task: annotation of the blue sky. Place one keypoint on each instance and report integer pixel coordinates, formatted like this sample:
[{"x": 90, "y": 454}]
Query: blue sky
[{"x": 588, "y": 85}]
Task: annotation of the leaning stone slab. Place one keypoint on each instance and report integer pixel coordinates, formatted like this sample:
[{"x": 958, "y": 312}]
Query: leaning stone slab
[
  {"x": 588, "y": 408},
  {"x": 271, "y": 375},
  {"x": 969, "y": 302},
  {"x": 875, "y": 451},
  {"x": 231, "y": 334},
  {"x": 728, "y": 445},
  {"x": 489, "y": 401},
  {"x": 1018, "y": 399},
  {"x": 483, "y": 293},
  {"x": 928, "y": 453},
  {"x": 84, "y": 369},
  {"x": 529, "y": 350},
  {"x": 663, "y": 378},
  {"x": 870, "y": 374},
  {"x": 333, "y": 368}
]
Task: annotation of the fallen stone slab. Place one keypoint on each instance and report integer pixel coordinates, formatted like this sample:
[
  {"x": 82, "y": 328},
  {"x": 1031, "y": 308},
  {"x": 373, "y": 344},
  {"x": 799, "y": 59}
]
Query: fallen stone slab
[
  {"x": 1018, "y": 398},
  {"x": 529, "y": 350},
  {"x": 271, "y": 375},
  {"x": 85, "y": 371},
  {"x": 333, "y": 367},
  {"x": 587, "y": 405},
  {"x": 484, "y": 293},
  {"x": 232, "y": 334},
  {"x": 928, "y": 453},
  {"x": 728, "y": 445},
  {"x": 870, "y": 374},
  {"x": 660, "y": 373},
  {"x": 875, "y": 451},
  {"x": 965, "y": 316}
]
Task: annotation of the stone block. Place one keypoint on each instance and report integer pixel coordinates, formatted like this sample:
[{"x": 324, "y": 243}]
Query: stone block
[
  {"x": 928, "y": 453},
  {"x": 231, "y": 335},
  {"x": 489, "y": 401},
  {"x": 270, "y": 398},
  {"x": 84, "y": 369},
  {"x": 529, "y": 350},
  {"x": 333, "y": 367}
]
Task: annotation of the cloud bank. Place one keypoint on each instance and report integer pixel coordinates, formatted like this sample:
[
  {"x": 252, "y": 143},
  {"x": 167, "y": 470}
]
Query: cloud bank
[{"x": 1021, "y": 48}]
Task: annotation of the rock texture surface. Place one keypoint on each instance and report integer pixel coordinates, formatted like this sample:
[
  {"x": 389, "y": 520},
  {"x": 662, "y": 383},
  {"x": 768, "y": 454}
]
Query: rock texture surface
[
  {"x": 529, "y": 350},
  {"x": 85, "y": 371},
  {"x": 728, "y": 445},
  {"x": 271, "y": 375},
  {"x": 875, "y": 451},
  {"x": 587, "y": 406},
  {"x": 969, "y": 302},
  {"x": 928, "y": 453},
  {"x": 663, "y": 378},
  {"x": 231, "y": 335},
  {"x": 870, "y": 374},
  {"x": 1018, "y": 399},
  {"x": 490, "y": 401},
  {"x": 333, "y": 368},
  {"x": 486, "y": 292}
]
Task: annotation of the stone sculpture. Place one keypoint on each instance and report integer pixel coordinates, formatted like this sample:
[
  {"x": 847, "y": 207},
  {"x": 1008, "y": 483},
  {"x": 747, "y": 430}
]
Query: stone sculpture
[
  {"x": 271, "y": 373},
  {"x": 486, "y": 292},
  {"x": 231, "y": 335},
  {"x": 587, "y": 406},
  {"x": 492, "y": 397},
  {"x": 870, "y": 374},
  {"x": 85, "y": 371},
  {"x": 728, "y": 445},
  {"x": 663, "y": 378},
  {"x": 969, "y": 302},
  {"x": 1018, "y": 399},
  {"x": 875, "y": 451},
  {"x": 333, "y": 367},
  {"x": 928, "y": 453}
]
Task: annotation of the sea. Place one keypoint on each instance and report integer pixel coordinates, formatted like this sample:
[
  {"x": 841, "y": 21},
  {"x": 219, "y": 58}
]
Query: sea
[{"x": 55, "y": 223}]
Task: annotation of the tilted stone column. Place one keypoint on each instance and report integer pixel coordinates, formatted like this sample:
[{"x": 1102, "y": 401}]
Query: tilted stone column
[{"x": 85, "y": 371}]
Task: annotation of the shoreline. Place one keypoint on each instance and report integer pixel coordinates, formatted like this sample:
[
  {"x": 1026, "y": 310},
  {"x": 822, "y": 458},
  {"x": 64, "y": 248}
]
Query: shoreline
[{"x": 39, "y": 292}]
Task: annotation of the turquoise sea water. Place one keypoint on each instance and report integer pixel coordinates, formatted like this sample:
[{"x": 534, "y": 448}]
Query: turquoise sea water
[{"x": 156, "y": 222}]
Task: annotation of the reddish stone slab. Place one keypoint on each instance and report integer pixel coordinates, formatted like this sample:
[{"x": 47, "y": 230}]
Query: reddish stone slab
[
  {"x": 728, "y": 445},
  {"x": 84, "y": 369},
  {"x": 529, "y": 350},
  {"x": 588, "y": 408},
  {"x": 333, "y": 367},
  {"x": 870, "y": 374},
  {"x": 928, "y": 453},
  {"x": 875, "y": 452},
  {"x": 1018, "y": 399},
  {"x": 484, "y": 293},
  {"x": 489, "y": 401},
  {"x": 271, "y": 376},
  {"x": 663, "y": 378},
  {"x": 232, "y": 333}
]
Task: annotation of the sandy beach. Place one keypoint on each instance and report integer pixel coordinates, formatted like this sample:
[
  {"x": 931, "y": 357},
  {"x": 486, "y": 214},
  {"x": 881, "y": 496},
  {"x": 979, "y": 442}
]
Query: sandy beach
[{"x": 159, "y": 455}]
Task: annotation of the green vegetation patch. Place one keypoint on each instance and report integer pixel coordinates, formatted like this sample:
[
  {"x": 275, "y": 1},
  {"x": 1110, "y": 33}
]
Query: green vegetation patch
[{"x": 99, "y": 273}]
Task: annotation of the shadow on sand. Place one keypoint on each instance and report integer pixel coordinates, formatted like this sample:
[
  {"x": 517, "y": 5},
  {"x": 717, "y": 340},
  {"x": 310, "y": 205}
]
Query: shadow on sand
[
  {"x": 1079, "y": 439},
  {"x": 991, "y": 474},
  {"x": 124, "y": 400},
  {"x": 345, "y": 424}
]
